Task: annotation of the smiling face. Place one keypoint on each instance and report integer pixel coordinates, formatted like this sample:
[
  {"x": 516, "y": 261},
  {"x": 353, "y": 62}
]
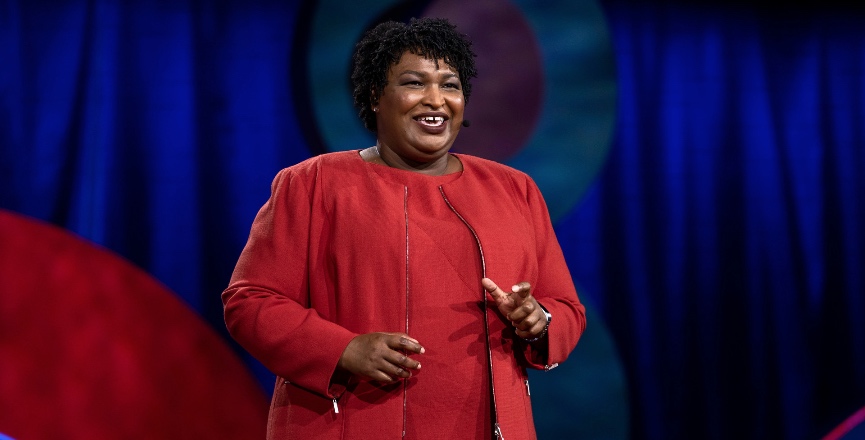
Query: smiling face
[{"x": 419, "y": 112}]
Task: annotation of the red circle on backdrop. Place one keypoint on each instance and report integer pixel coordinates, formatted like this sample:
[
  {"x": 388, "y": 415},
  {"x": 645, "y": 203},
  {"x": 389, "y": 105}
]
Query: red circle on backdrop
[{"x": 92, "y": 347}]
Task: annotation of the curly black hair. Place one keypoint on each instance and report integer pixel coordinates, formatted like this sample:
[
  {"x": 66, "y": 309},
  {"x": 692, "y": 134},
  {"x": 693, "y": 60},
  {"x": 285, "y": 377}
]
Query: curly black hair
[{"x": 382, "y": 46}]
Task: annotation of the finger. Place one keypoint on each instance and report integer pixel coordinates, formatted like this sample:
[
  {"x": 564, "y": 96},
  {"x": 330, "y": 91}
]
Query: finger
[
  {"x": 385, "y": 371},
  {"x": 407, "y": 362},
  {"x": 525, "y": 334},
  {"x": 406, "y": 342},
  {"x": 523, "y": 289},
  {"x": 491, "y": 287},
  {"x": 383, "y": 377},
  {"x": 402, "y": 361},
  {"x": 527, "y": 323},
  {"x": 538, "y": 328},
  {"x": 526, "y": 309},
  {"x": 497, "y": 293},
  {"x": 400, "y": 372},
  {"x": 389, "y": 368},
  {"x": 531, "y": 331}
]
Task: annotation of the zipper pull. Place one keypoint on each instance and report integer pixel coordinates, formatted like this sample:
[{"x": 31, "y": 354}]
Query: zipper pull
[
  {"x": 335, "y": 407},
  {"x": 528, "y": 389},
  {"x": 498, "y": 432},
  {"x": 550, "y": 367}
]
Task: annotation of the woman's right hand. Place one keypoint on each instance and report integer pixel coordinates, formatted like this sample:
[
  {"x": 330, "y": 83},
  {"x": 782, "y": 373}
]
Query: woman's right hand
[{"x": 381, "y": 357}]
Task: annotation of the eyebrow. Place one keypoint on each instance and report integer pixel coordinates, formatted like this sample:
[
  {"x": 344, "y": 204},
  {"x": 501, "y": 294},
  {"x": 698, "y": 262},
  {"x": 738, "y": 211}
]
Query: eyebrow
[{"x": 422, "y": 74}]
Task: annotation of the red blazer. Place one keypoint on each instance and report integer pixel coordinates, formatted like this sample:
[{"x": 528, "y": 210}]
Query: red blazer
[{"x": 297, "y": 296}]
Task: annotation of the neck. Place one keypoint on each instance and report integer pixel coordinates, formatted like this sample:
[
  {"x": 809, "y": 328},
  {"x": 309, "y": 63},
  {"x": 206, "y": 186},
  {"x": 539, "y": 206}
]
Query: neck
[{"x": 436, "y": 167}]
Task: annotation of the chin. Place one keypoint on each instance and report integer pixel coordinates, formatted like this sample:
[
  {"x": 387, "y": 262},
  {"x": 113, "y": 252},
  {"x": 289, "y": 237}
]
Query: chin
[
  {"x": 435, "y": 151},
  {"x": 435, "y": 148}
]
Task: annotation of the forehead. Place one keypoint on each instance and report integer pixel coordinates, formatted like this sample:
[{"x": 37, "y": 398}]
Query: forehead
[{"x": 413, "y": 62}]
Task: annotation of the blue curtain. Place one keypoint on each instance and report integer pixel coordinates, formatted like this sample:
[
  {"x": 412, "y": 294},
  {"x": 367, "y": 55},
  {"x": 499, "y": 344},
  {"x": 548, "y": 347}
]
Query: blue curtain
[
  {"x": 725, "y": 239},
  {"x": 723, "y": 242},
  {"x": 153, "y": 128}
]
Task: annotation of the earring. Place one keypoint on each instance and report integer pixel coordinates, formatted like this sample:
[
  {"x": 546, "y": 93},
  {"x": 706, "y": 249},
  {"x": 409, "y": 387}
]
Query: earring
[{"x": 375, "y": 109}]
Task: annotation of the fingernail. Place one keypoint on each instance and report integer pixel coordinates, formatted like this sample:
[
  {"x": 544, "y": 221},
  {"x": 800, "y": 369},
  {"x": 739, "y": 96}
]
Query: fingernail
[
  {"x": 422, "y": 350},
  {"x": 514, "y": 288}
]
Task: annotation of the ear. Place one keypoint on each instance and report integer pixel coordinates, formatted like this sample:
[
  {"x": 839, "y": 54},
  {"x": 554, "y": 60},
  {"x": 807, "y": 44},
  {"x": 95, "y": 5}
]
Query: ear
[{"x": 373, "y": 98}]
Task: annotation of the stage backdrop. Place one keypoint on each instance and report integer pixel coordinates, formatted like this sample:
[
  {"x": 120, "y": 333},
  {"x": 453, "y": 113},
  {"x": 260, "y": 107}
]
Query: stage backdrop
[{"x": 704, "y": 166}]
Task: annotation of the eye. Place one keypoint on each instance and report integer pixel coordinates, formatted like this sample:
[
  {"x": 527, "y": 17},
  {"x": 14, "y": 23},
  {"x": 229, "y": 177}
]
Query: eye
[
  {"x": 413, "y": 83},
  {"x": 455, "y": 86}
]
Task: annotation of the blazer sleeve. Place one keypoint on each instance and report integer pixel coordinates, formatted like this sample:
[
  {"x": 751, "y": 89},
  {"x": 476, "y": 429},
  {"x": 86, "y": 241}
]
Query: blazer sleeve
[
  {"x": 554, "y": 290},
  {"x": 266, "y": 304}
]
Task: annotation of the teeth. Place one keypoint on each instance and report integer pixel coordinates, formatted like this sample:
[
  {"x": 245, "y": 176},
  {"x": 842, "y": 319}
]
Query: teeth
[{"x": 432, "y": 120}]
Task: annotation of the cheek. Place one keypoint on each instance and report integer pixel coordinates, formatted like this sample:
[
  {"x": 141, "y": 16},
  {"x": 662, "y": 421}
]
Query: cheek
[
  {"x": 407, "y": 101},
  {"x": 457, "y": 104}
]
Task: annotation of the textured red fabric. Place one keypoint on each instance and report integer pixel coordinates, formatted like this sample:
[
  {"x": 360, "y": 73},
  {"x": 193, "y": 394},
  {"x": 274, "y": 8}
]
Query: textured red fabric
[
  {"x": 326, "y": 260},
  {"x": 453, "y": 382},
  {"x": 91, "y": 347}
]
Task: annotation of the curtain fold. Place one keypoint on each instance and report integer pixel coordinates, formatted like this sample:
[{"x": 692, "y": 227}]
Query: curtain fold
[
  {"x": 723, "y": 239},
  {"x": 723, "y": 243}
]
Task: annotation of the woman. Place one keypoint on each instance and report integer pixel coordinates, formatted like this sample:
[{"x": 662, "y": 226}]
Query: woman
[{"x": 368, "y": 284}]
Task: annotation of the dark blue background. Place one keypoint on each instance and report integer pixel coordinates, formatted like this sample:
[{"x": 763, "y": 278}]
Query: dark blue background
[{"x": 722, "y": 243}]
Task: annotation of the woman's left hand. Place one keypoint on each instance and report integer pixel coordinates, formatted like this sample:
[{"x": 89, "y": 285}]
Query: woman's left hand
[{"x": 520, "y": 307}]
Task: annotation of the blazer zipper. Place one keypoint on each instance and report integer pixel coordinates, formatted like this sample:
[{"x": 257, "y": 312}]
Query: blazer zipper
[
  {"x": 334, "y": 399},
  {"x": 405, "y": 382},
  {"x": 497, "y": 430}
]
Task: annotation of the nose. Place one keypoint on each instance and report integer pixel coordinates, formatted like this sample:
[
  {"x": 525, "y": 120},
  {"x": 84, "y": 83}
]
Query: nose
[{"x": 434, "y": 97}]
